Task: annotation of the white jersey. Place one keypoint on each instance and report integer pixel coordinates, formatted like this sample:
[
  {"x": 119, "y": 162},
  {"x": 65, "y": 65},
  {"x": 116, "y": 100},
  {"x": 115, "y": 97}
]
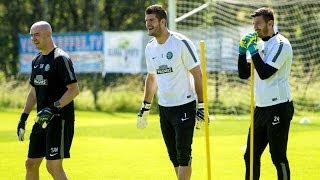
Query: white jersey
[
  {"x": 276, "y": 52},
  {"x": 171, "y": 63}
]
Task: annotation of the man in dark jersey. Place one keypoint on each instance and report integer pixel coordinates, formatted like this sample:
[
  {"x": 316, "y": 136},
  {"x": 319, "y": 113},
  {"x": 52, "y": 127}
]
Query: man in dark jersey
[{"x": 54, "y": 86}]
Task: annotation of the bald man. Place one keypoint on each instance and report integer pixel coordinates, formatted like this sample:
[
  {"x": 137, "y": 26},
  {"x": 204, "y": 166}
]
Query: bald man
[{"x": 53, "y": 88}]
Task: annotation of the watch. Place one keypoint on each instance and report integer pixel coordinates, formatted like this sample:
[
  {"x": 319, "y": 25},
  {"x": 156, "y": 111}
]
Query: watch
[{"x": 57, "y": 105}]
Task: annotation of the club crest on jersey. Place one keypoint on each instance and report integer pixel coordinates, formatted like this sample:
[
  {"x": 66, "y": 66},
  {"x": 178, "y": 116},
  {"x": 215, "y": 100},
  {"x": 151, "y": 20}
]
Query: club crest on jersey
[
  {"x": 47, "y": 67},
  {"x": 164, "y": 69},
  {"x": 40, "y": 81},
  {"x": 169, "y": 55}
]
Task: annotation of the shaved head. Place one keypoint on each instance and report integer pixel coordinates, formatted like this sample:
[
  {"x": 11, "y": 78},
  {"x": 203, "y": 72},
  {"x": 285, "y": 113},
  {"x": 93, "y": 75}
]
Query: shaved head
[
  {"x": 41, "y": 36},
  {"x": 42, "y": 26}
]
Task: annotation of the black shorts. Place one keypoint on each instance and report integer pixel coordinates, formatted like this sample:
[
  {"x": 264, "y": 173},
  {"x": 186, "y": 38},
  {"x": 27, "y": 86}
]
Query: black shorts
[
  {"x": 54, "y": 142},
  {"x": 177, "y": 126},
  {"x": 271, "y": 126}
]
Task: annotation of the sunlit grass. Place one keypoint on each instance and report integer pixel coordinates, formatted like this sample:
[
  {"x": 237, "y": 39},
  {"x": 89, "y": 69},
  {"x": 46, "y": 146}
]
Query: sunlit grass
[{"x": 108, "y": 146}]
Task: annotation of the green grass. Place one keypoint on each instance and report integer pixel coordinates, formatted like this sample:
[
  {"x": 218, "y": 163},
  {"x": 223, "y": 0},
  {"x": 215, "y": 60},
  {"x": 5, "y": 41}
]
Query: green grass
[{"x": 108, "y": 146}]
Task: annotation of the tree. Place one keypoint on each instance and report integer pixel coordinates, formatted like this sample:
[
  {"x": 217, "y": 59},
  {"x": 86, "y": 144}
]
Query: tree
[{"x": 17, "y": 16}]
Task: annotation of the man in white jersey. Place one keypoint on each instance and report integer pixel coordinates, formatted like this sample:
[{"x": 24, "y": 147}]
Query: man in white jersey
[
  {"x": 274, "y": 107},
  {"x": 174, "y": 71}
]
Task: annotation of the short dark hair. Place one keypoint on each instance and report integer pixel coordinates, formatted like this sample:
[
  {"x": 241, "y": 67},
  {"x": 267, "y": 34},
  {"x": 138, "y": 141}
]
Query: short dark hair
[
  {"x": 266, "y": 13},
  {"x": 158, "y": 10}
]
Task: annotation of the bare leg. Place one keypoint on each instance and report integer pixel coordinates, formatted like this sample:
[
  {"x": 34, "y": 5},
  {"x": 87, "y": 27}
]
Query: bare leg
[
  {"x": 176, "y": 169},
  {"x": 32, "y": 167},
  {"x": 56, "y": 170},
  {"x": 184, "y": 173}
]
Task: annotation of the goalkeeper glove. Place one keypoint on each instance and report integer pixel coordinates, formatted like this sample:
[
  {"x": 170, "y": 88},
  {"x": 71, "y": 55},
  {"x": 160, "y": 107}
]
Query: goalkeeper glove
[
  {"x": 200, "y": 116},
  {"x": 22, "y": 126},
  {"x": 253, "y": 48},
  {"x": 143, "y": 115},
  {"x": 45, "y": 115},
  {"x": 242, "y": 48},
  {"x": 245, "y": 41}
]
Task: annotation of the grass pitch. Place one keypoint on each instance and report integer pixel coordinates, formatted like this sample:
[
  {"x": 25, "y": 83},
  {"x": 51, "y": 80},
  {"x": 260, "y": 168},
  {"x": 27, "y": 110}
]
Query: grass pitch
[{"x": 108, "y": 146}]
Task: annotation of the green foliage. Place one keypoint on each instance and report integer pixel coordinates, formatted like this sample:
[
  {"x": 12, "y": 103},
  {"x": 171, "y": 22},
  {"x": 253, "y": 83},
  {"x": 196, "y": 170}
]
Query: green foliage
[
  {"x": 13, "y": 93},
  {"x": 122, "y": 95},
  {"x": 16, "y": 17},
  {"x": 2, "y": 77},
  {"x": 110, "y": 100}
]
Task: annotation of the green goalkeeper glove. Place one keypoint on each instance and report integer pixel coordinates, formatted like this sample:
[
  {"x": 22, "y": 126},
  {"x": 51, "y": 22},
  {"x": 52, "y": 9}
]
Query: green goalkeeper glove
[
  {"x": 142, "y": 120},
  {"x": 245, "y": 41},
  {"x": 253, "y": 48}
]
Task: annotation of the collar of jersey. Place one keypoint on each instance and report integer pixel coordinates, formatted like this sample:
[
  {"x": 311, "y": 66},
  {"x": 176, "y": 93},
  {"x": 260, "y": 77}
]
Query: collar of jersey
[{"x": 268, "y": 37}]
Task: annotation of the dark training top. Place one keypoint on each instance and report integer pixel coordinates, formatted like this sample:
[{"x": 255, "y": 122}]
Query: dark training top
[{"x": 50, "y": 76}]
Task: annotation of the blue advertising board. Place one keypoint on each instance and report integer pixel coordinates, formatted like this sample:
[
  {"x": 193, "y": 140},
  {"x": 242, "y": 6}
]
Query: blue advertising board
[{"x": 84, "y": 49}]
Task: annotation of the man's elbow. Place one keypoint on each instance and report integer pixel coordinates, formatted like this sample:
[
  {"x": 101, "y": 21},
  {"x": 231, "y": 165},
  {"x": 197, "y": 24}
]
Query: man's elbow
[
  {"x": 74, "y": 89},
  {"x": 267, "y": 72},
  {"x": 77, "y": 91}
]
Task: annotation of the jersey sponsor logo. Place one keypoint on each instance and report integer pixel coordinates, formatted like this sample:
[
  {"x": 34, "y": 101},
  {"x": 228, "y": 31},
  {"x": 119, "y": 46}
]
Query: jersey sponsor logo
[
  {"x": 35, "y": 66},
  {"x": 164, "y": 69},
  {"x": 40, "y": 81},
  {"x": 169, "y": 55},
  {"x": 154, "y": 57},
  {"x": 276, "y": 120}
]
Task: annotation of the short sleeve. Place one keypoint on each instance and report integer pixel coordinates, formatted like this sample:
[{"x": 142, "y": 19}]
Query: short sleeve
[
  {"x": 32, "y": 76},
  {"x": 31, "y": 80},
  {"x": 150, "y": 66},
  {"x": 190, "y": 56},
  {"x": 65, "y": 70},
  {"x": 279, "y": 54}
]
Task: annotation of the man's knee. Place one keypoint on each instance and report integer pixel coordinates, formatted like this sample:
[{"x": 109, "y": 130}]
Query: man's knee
[
  {"x": 54, "y": 166},
  {"x": 32, "y": 164},
  {"x": 246, "y": 157},
  {"x": 278, "y": 157}
]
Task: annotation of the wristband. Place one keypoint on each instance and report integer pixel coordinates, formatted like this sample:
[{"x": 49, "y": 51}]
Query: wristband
[
  {"x": 24, "y": 116},
  {"x": 146, "y": 105}
]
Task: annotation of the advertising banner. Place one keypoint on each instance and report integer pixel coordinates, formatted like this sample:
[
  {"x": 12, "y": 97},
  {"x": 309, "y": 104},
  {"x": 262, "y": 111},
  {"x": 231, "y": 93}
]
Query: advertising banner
[
  {"x": 124, "y": 52},
  {"x": 84, "y": 49}
]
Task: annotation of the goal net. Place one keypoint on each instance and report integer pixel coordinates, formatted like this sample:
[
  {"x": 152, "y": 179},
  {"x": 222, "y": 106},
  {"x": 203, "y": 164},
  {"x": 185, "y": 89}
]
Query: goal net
[{"x": 221, "y": 24}]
